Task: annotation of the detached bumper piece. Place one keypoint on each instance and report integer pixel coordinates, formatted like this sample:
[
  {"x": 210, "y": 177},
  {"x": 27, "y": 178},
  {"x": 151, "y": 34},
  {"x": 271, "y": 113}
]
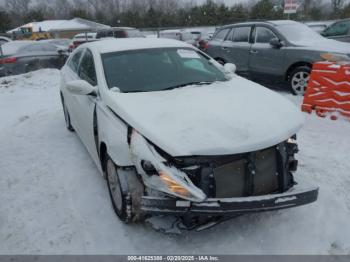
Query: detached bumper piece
[{"x": 229, "y": 206}]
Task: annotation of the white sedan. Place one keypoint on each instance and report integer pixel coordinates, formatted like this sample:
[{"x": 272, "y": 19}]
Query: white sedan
[{"x": 174, "y": 132}]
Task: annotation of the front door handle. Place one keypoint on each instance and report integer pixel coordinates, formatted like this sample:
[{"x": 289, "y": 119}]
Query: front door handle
[{"x": 253, "y": 51}]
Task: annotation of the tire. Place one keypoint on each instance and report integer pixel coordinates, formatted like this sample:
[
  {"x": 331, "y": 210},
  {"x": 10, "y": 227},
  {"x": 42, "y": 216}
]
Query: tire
[
  {"x": 125, "y": 191},
  {"x": 67, "y": 116},
  {"x": 298, "y": 80}
]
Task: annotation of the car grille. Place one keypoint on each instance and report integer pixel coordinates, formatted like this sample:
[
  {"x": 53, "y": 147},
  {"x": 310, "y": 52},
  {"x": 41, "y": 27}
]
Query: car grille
[
  {"x": 254, "y": 175},
  {"x": 248, "y": 174}
]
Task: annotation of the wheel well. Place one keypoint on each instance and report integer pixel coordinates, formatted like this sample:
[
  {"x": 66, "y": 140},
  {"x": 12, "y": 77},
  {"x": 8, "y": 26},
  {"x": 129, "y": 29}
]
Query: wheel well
[
  {"x": 103, "y": 155},
  {"x": 294, "y": 66}
]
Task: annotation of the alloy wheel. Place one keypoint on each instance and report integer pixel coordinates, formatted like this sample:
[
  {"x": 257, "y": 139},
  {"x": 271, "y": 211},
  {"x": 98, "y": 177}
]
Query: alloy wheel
[{"x": 299, "y": 82}]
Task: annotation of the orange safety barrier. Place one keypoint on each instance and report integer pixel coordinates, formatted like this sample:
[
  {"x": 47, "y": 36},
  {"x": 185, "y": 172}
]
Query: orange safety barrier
[{"x": 328, "y": 92}]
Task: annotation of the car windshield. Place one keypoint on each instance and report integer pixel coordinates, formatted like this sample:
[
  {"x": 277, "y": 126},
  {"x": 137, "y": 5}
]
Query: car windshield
[
  {"x": 158, "y": 69},
  {"x": 299, "y": 33}
]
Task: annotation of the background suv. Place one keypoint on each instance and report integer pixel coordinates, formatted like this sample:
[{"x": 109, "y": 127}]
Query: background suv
[{"x": 280, "y": 50}]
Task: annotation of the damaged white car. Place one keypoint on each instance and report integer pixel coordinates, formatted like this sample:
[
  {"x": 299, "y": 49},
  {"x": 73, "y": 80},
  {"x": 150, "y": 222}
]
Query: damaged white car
[{"x": 174, "y": 132}]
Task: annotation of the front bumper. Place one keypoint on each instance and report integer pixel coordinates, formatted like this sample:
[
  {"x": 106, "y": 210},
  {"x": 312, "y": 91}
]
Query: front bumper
[{"x": 229, "y": 206}]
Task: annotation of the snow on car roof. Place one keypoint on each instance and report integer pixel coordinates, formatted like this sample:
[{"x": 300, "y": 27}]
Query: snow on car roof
[
  {"x": 283, "y": 22},
  {"x": 125, "y": 44},
  {"x": 12, "y": 47}
]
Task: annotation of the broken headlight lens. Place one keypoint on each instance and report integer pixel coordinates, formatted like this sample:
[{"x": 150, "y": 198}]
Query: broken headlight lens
[{"x": 174, "y": 186}]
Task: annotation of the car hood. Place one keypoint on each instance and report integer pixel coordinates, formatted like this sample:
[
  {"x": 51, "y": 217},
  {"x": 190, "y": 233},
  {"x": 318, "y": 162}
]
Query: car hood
[
  {"x": 223, "y": 118},
  {"x": 325, "y": 45}
]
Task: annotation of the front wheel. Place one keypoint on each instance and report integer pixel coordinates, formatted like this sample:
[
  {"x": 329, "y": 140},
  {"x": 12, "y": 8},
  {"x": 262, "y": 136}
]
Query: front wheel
[
  {"x": 125, "y": 191},
  {"x": 299, "y": 79}
]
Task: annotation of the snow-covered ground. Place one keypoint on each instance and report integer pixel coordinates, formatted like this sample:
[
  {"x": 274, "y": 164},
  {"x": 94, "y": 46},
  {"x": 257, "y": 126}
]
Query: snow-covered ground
[{"x": 54, "y": 201}]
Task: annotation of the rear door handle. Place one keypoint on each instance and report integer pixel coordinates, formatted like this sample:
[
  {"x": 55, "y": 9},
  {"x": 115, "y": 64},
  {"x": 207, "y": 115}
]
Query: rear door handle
[{"x": 253, "y": 51}]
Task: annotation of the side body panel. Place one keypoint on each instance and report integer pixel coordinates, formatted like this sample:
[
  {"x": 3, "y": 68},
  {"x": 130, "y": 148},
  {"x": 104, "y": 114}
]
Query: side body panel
[{"x": 114, "y": 133}]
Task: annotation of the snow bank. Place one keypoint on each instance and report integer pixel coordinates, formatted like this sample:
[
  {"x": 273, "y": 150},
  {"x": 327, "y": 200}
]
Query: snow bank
[{"x": 22, "y": 96}]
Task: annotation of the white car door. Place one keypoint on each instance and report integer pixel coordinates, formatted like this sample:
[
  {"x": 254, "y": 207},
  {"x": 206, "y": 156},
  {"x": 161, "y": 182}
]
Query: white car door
[
  {"x": 82, "y": 107},
  {"x": 70, "y": 73},
  {"x": 86, "y": 105}
]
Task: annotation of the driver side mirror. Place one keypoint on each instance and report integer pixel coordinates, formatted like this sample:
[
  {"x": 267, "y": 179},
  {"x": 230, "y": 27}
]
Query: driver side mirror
[
  {"x": 276, "y": 43},
  {"x": 81, "y": 87}
]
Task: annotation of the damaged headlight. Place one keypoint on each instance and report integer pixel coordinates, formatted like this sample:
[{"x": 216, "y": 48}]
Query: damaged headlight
[
  {"x": 160, "y": 176},
  {"x": 148, "y": 167}
]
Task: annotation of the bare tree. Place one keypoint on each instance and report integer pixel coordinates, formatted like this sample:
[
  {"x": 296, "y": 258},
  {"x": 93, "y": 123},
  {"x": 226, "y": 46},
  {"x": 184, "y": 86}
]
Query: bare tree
[
  {"x": 21, "y": 6},
  {"x": 337, "y": 5}
]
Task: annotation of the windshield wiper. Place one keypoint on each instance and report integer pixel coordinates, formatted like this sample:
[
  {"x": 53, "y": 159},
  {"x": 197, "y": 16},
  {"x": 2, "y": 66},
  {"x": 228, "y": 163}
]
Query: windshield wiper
[
  {"x": 135, "y": 91},
  {"x": 188, "y": 84},
  {"x": 170, "y": 88}
]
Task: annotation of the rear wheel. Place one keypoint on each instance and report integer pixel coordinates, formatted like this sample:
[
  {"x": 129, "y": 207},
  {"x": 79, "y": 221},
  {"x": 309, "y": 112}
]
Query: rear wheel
[
  {"x": 299, "y": 79},
  {"x": 125, "y": 191}
]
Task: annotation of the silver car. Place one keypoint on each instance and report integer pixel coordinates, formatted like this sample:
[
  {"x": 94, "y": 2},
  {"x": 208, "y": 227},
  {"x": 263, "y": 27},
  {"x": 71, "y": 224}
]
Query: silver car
[{"x": 279, "y": 50}]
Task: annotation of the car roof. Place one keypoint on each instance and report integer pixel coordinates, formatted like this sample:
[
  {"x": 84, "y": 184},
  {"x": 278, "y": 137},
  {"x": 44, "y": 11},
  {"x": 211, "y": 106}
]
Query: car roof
[
  {"x": 263, "y": 22},
  {"x": 126, "y": 44},
  {"x": 14, "y": 47}
]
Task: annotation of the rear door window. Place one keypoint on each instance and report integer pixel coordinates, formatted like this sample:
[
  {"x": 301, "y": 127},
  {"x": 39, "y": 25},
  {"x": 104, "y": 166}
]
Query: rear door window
[
  {"x": 87, "y": 68},
  {"x": 241, "y": 34}
]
